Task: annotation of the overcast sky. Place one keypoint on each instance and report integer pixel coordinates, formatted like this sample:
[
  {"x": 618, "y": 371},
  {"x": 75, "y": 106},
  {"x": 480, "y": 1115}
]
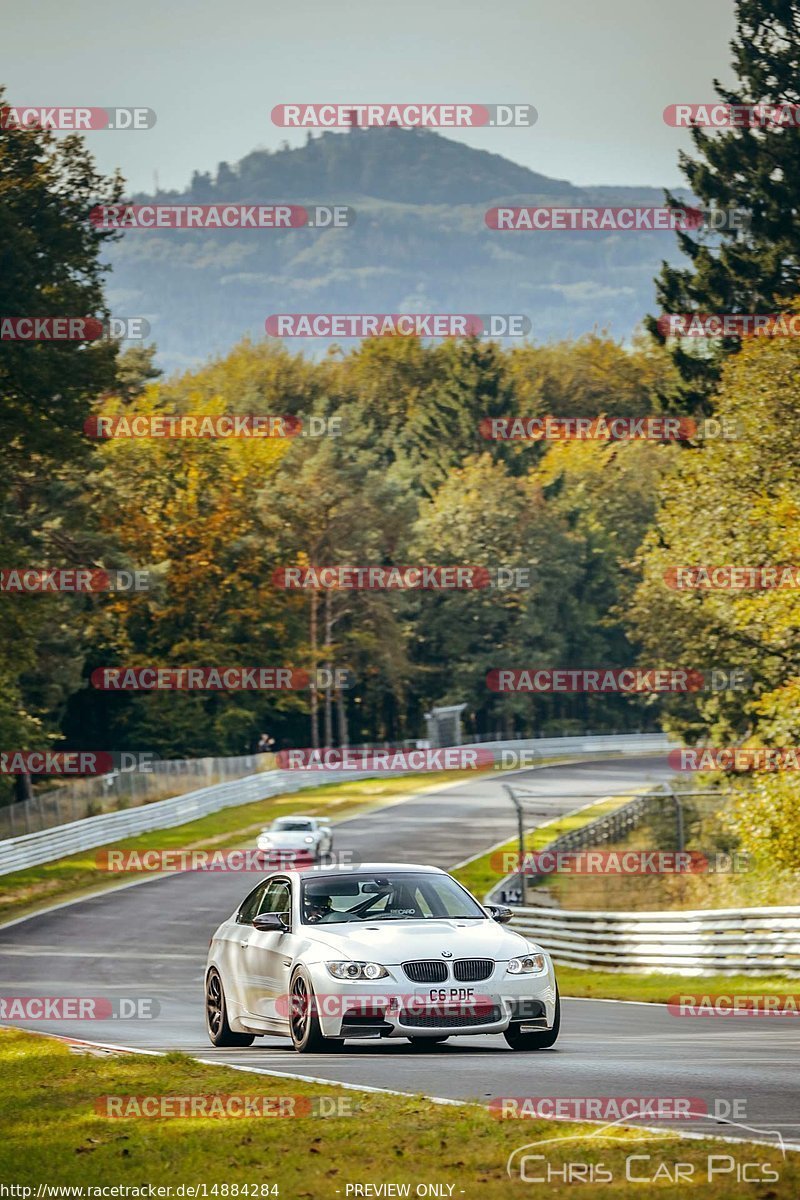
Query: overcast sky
[{"x": 600, "y": 73}]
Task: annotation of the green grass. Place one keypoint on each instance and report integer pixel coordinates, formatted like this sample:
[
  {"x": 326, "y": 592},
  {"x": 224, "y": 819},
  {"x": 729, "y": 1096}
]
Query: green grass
[
  {"x": 658, "y": 987},
  {"x": 480, "y": 876},
  {"x": 757, "y": 884},
  {"x": 53, "y": 1134},
  {"x": 36, "y": 887}
]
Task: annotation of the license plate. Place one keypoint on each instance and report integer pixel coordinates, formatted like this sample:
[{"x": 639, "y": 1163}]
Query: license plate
[{"x": 445, "y": 994}]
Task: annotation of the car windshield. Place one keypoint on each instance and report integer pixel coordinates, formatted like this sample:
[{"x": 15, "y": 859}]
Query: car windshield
[
  {"x": 290, "y": 825},
  {"x": 408, "y": 896}
]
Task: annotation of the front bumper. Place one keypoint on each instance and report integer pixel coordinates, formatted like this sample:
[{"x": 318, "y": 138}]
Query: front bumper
[
  {"x": 390, "y": 1008},
  {"x": 288, "y": 857}
]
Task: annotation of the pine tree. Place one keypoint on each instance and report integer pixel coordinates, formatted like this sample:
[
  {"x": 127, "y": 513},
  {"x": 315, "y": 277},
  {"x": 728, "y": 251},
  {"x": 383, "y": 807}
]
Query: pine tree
[
  {"x": 754, "y": 170},
  {"x": 50, "y": 266}
]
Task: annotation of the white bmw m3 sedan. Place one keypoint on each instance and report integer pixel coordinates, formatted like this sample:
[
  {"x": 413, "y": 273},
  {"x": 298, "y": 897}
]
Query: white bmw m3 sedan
[{"x": 375, "y": 951}]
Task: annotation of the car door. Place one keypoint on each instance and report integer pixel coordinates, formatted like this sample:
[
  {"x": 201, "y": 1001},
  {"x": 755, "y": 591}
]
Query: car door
[
  {"x": 233, "y": 941},
  {"x": 267, "y": 958}
]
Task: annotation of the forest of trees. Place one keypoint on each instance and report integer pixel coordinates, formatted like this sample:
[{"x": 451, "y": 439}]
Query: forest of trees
[{"x": 410, "y": 479}]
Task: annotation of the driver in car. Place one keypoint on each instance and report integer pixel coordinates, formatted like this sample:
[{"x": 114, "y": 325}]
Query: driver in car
[{"x": 319, "y": 907}]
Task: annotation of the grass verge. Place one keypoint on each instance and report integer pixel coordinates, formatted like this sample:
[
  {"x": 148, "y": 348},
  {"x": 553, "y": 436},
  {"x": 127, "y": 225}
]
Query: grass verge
[
  {"x": 53, "y": 1134},
  {"x": 659, "y": 988},
  {"x": 36, "y": 887},
  {"x": 732, "y": 880},
  {"x": 481, "y": 874}
]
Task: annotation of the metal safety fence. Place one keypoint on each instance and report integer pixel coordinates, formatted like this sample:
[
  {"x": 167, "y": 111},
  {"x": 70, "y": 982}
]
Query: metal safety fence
[
  {"x": 77, "y": 799},
  {"x": 32, "y": 849},
  {"x": 725, "y": 941}
]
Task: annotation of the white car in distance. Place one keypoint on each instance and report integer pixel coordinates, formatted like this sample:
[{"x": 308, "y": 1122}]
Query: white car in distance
[
  {"x": 375, "y": 951},
  {"x": 296, "y": 837}
]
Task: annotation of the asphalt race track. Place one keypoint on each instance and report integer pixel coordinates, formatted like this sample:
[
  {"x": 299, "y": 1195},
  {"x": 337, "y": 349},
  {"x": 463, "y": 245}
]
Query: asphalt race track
[{"x": 151, "y": 940}]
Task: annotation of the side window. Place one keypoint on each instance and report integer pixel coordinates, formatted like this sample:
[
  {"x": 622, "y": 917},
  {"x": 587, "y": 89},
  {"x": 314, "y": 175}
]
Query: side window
[
  {"x": 277, "y": 899},
  {"x": 251, "y": 905}
]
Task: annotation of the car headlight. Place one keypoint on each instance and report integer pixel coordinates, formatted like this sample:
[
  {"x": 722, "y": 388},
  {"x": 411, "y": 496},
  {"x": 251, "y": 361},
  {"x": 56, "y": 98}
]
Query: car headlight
[
  {"x": 527, "y": 964},
  {"x": 264, "y": 842},
  {"x": 357, "y": 970}
]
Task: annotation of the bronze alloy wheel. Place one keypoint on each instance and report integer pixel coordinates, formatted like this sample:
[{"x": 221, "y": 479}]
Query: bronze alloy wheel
[{"x": 219, "y": 1031}]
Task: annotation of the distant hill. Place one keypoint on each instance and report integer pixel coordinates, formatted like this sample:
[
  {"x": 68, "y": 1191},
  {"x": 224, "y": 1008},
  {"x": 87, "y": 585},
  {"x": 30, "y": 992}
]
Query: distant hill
[{"x": 419, "y": 243}]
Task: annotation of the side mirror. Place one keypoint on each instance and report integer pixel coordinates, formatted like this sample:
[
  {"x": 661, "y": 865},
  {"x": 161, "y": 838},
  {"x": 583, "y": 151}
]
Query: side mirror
[
  {"x": 500, "y": 913},
  {"x": 269, "y": 922}
]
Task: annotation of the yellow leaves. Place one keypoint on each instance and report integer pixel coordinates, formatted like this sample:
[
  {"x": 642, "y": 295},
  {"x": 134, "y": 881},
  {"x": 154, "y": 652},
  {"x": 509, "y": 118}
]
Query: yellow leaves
[
  {"x": 737, "y": 502},
  {"x": 590, "y": 460},
  {"x": 190, "y": 503},
  {"x": 764, "y": 816}
]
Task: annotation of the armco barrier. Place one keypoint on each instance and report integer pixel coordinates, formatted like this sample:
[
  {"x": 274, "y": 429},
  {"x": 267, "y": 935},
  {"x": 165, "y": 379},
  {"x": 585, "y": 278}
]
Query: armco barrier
[
  {"x": 725, "y": 941},
  {"x": 76, "y": 799},
  {"x": 611, "y": 743},
  {"x": 31, "y": 849}
]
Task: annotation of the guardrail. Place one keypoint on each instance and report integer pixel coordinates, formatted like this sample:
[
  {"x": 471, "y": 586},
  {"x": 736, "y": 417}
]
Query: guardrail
[
  {"x": 77, "y": 799},
  {"x": 724, "y": 941},
  {"x": 30, "y": 850},
  {"x": 589, "y": 743}
]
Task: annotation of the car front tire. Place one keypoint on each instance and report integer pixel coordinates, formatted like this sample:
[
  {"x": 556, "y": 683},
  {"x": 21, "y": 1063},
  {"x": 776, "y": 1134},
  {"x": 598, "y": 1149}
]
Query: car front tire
[
  {"x": 304, "y": 1026},
  {"x": 219, "y": 1031},
  {"x": 539, "y": 1039}
]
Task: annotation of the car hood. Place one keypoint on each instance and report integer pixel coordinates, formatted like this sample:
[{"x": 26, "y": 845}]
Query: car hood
[{"x": 394, "y": 942}]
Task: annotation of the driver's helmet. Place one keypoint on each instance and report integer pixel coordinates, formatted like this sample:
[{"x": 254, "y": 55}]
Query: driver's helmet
[{"x": 318, "y": 905}]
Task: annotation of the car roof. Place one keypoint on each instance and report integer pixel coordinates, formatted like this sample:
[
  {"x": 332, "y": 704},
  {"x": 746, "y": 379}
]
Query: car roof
[{"x": 361, "y": 867}]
